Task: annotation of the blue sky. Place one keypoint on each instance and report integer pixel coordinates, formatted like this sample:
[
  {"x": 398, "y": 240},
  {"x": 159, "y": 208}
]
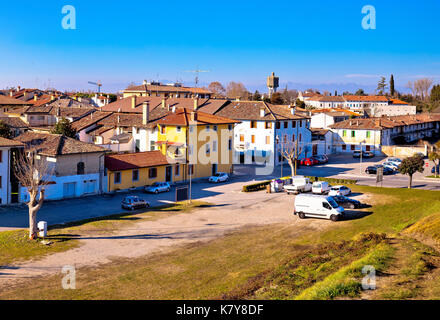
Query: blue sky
[{"x": 319, "y": 44}]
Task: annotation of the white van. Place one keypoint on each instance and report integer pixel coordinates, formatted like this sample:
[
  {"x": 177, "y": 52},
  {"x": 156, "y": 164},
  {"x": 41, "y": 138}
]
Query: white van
[
  {"x": 320, "y": 187},
  {"x": 316, "y": 206},
  {"x": 299, "y": 184}
]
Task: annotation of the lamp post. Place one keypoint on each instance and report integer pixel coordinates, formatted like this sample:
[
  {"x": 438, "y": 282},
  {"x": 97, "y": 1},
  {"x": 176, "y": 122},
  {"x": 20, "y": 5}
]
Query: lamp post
[
  {"x": 278, "y": 142},
  {"x": 360, "y": 164}
]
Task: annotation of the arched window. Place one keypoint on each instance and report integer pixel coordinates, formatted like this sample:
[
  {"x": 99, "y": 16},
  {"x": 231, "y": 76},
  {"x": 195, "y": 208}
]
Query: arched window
[{"x": 80, "y": 168}]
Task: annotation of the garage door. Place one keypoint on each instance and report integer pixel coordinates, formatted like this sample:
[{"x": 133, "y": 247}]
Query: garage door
[
  {"x": 90, "y": 186},
  {"x": 69, "y": 190}
]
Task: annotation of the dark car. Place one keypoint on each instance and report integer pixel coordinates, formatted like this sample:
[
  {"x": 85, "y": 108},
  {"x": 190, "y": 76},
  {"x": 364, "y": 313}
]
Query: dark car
[
  {"x": 365, "y": 154},
  {"x": 346, "y": 202},
  {"x": 433, "y": 169},
  {"x": 133, "y": 203},
  {"x": 373, "y": 170}
]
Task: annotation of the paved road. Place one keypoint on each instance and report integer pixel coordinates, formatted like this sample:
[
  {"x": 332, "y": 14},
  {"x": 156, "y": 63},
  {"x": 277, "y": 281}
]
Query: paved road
[{"x": 58, "y": 212}]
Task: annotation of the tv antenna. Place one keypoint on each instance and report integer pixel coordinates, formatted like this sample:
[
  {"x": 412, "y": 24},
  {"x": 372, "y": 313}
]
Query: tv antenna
[{"x": 197, "y": 72}]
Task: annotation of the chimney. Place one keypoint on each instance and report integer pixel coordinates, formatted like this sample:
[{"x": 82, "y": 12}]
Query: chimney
[
  {"x": 119, "y": 120},
  {"x": 52, "y": 97},
  {"x": 292, "y": 110},
  {"x": 145, "y": 113},
  {"x": 196, "y": 103},
  {"x": 35, "y": 97},
  {"x": 58, "y": 111},
  {"x": 11, "y": 93},
  {"x": 173, "y": 109},
  {"x": 133, "y": 102},
  {"x": 262, "y": 112},
  {"x": 169, "y": 107},
  {"x": 163, "y": 103},
  {"x": 193, "y": 116}
]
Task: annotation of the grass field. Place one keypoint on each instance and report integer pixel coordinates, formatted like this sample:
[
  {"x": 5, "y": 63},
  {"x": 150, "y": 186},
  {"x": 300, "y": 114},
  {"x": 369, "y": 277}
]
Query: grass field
[{"x": 278, "y": 262}]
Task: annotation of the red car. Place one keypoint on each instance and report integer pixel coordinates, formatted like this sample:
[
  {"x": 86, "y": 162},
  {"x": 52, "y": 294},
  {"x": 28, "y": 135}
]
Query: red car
[{"x": 309, "y": 162}]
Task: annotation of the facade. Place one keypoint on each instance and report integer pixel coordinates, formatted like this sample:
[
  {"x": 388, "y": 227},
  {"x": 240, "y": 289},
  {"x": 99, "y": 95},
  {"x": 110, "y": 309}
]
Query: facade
[
  {"x": 75, "y": 168},
  {"x": 374, "y": 133},
  {"x": 265, "y": 129},
  {"x": 324, "y": 118},
  {"x": 322, "y": 141},
  {"x": 175, "y": 90},
  {"x": 8, "y": 183}
]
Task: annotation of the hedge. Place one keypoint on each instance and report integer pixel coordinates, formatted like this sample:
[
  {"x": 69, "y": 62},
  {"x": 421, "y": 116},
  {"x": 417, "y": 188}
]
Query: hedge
[{"x": 262, "y": 185}]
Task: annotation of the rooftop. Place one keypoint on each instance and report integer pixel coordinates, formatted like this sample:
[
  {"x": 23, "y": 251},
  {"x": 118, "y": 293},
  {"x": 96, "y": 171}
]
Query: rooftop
[{"x": 129, "y": 161}]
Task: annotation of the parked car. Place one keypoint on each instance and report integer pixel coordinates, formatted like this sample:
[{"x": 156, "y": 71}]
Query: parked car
[
  {"x": 133, "y": 203},
  {"x": 219, "y": 177},
  {"x": 299, "y": 184},
  {"x": 320, "y": 187},
  {"x": 339, "y": 191},
  {"x": 365, "y": 154},
  {"x": 392, "y": 165},
  {"x": 158, "y": 187},
  {"x": 346, "y": 202},
  {"x": 316, "y": 206},
  {"x": 308, "y": 161},
  {"x": 321, "y": 159},
  {"x": 419, "y": 154},
  {"x": 373, "y": 170},
  {"x": 396, "y": 161}
]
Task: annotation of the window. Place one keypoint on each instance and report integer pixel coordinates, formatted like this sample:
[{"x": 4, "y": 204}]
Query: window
[
  {"x": 190, "y": 169},
  {"x": 268, "y": 125},
  {"x": 285, "y": 139},
  {"x": 117, "y": 178},
  {"x": 229, "y": 127},
  {"x": 353, "y": 133},
  {"x": 191, "y": 129},
  {"x": 344, "y": 133},
  {"x": 253, "y": 139},
  {"x": 1, "y": 185},
  {"x": 344, "y": 147},
  {"x": 253, "y": 124},
  {"x": 179, "y": 129},
  {"x": 241, "y": 137},
  {"x": 152, "y": 173},
  {"x": 163, "y": 129},
  {"x": 230, "y": 144},
  {"x": 300, "y": 137},
  {"x": 208, "y": 148},
  {"x": 135, "y": 175},
  {"x": 207, "y": 128},
  {"x": 286, "y": 124},
  {"x": 177, "y": 170},
  {"x": 214, "y": 128},
  {"x": 267, "y": 139},
  {"x": 80, "y": 168},
  {"x": 278, "y": 125},
  {"x": 300, "y": 123},
  {"x": 294, "y": 124},
  {"x": 368, "y": 134},
  {"x": 352, "y": 147},
  {"x": 214, "y": 146},
  {"x": 293, "y": 137}
]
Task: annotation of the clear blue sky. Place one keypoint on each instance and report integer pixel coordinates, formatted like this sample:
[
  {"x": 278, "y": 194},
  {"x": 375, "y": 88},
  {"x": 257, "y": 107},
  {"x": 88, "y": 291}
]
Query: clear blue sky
[{"x": 304, "y": 42}]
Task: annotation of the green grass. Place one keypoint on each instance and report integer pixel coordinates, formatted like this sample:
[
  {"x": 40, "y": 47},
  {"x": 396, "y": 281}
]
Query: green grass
[{"x": 15, "y": 246}]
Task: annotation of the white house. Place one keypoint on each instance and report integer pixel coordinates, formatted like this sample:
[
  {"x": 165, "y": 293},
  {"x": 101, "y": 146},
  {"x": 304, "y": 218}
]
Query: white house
[
  {"x": 266, "y": 129},
  {"x": 8, "y": 183}
]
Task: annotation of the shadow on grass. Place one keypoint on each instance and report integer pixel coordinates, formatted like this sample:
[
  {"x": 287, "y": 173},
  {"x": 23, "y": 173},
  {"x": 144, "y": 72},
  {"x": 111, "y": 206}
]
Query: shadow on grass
[{"x": 355, "y": 214}]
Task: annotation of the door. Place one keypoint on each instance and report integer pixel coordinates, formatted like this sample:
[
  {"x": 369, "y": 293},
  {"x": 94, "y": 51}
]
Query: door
[
  {"x": 90, "y": 186},
  {"x": 214, "y": 169},
  {"x": 241, "y": 157},
  {"x": 69, "y": 190},
  {"x": 169, "y": 174},
  {"x": 315, "y": 149}
]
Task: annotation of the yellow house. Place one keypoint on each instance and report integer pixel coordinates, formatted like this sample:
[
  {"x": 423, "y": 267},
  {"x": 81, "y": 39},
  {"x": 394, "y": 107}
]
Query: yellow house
[
  {"x": 135, "y": 170},
  {"x": 201, "y": 142}
]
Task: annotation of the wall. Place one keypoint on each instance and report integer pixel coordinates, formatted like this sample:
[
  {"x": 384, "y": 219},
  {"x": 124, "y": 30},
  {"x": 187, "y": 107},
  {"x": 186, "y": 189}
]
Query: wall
[
  {"x": 67, "y": 165},
  {"x": 404, "y": 151},
  {"x": 394, "y": 110},
  {"x": 4, "y": 173},
  {"x": 374, "y": 141}
]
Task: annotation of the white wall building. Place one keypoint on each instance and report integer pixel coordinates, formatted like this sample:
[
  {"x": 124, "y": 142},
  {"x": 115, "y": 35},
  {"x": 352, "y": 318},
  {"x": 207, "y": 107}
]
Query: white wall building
[{"x": 7, "y": 189}]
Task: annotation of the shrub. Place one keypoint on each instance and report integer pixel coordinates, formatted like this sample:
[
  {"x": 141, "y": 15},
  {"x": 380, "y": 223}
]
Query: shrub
[{"x": 256, "y": 186}]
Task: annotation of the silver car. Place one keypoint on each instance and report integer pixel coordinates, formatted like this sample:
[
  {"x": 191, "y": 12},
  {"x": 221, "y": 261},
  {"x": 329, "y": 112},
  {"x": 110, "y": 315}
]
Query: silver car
[
  {"x": 133, "y": 203},
  {"x": 158, "y": 187}
]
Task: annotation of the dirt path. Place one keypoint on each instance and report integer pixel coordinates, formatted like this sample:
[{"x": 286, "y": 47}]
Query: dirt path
[{"x": 146, "y": 237}]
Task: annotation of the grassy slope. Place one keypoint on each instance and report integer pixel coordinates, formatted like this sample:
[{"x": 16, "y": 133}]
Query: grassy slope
[{"x": 247, "y": 259}]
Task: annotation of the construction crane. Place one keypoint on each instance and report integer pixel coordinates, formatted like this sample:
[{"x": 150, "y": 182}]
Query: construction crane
[
  {"x": 197, "y": 72},
  {"x": 98, "y": 84}
]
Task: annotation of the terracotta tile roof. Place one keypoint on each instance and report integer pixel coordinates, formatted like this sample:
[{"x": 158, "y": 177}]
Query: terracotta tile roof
[
  {"x": 328, "y": 99},
  {"x": 182, "y": 117},
  {"x": 398, "y": 102},
  {"x": 10, "y": 143},
  {"x": 89, "y": 120},
  {"x": 5, "y": 100},
  {"x": 71, "y": 112},
  {"x": 70, "y": 103},
  {"x": 55, "y": 145},
  {"x": 14, "y": 122},
  {"x": 164, "y": 88},
  {"x": 385, "y": 122},
  {"x": 125, "y": 105},
  {"x": 131, "y": 161},
  {"x": 366, "y": 98},
  {"x": 122, "y": 120},
  {"x": 250, "y": 110}
]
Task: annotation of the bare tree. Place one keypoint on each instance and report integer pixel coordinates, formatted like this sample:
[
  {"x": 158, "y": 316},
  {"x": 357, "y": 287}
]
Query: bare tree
[
  {"x": 33, "y": 173},
  {"x": 424, "y": 86},
  {"x": 410, "y": 86},
  {"x": 237, "y": 90},
  {"x": 217, "y": 88},
  {"x": 291, "y": 151}
]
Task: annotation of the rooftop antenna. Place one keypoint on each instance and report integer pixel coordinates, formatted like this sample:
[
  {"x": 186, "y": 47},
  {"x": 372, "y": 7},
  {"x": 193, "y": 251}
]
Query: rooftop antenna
[
  {"x": 98, "y": 84},
  {"x": 197, "y": 72}
]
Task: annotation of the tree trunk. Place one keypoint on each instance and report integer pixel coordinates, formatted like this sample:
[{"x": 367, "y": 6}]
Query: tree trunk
[
  {"x": 292, "y": 167},
  {"x": 33, "y": 209},
  {"x": 410, "y": 181}
]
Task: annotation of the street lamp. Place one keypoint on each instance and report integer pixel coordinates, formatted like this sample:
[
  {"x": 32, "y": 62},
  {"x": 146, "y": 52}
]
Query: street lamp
[
  {"x": 360, "y": 164},
  {"x": 278, "y": 142}
]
